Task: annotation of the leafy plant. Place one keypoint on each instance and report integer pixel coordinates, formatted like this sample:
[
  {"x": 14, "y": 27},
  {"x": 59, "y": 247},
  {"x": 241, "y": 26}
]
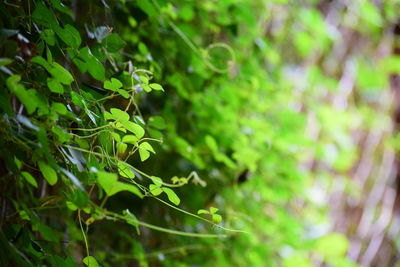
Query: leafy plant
[{"x": 103, "y": 101}]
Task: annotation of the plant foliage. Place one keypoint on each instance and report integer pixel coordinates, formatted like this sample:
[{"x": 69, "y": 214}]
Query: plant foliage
[{"x": 172, "y": 132}]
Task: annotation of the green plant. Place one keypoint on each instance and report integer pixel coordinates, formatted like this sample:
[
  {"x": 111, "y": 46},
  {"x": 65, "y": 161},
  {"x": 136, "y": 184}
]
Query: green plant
[{"x": 103, "y": 101}]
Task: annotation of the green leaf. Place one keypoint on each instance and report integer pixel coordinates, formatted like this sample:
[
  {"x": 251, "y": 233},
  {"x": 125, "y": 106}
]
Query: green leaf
[
  {"x": 156, "y": 86},
  {"x": 171, "y": 195},
  {"x": 71, "y": 205},
  {"x": 134, "y": 128},
  {"x": 61, "y": 7},
  {"x": 55, "y": 86},
  {"x": 117, "y": 125},
  {"x": 94, "y": 66},
  {"x": 112, "y": 84},
  {"x": 155, "y": 189},
  {"x": 18, "y": 163},
  {"x": 211, "y": 143},
  {"x": 216, "y": 218},
  {"x": 157, "y": 122},
  {"x": 146, "y": 88},
  {"x": 121, "y": 148},
  {"x": 113, "y": 43},
  {"x": 201, "y": 211},
  {"x": 27, "y": 97},
  {"x": 144, "y": 149},
  {"x": 124, "y": 170},
  {"x": 48, "y": 36},
  {"x": 116, "y": 136},
  {"x": 144, "y": 79},
  {"x": 119, "y": 115},
  {"x": 43, "y": 16},
  {"x": 148, "y": 8},
  {"x": 48, "y": 233},
  {"x": 132, "y": 220},
  {"x": 61, "y": 74},
  {"x": 59, "y": 108},
  {"x": 41, "y": 61},
  {"x": 123, "y": 93},
  {"x": 90, "y": 261},
  {"x": 79, "y": 198},
  {"x": 55, "y": 69},
  {"x": 69, "y": 35},
  {"x": 213, "y": 210},
  {"x": 107, "y": 115},
  {"x": 144, "y": 154},
  {"x": 146, "y": 146},
  {"x": 130, "y": 139},
  {"x": 49, "y": 55},
  {"x": 143, "y": 49},
  {"x": 109, "y": 182},
  {"x": 156, "y": 180},
  {"x": 48, "y": 173},
  {"x": 62, "y": 135},
  {"x": 29, "y": 178}
]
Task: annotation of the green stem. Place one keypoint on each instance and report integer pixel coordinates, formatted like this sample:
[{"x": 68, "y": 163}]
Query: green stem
[
  {"x": 90, "y": 129},
  {"x": 90, "y": 135},
  {"x": 162, "y": 201},
  {"x": 83, "y": 233},
  {"x": 161, "y": 229}
]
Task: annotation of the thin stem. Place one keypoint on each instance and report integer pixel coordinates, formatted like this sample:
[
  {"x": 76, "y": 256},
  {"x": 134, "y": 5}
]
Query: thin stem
[
  {"x": 160, "y": 229},
  {"x": 90, "y": 129},
  {"x": 200, "y": 218},
  {"x": 83, "y": 233},
  {"x": 104, "y": 201},
  {"x": 90, "y": 135},
  {"x": 162, "y": 201}
]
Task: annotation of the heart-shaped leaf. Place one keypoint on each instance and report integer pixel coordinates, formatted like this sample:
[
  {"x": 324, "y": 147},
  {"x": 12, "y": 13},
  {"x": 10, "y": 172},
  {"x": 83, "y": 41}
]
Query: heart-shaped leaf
[
  {"x": 112, "y": 84},
  {"x": 109, "y": 182},
  {"x": 155, "y": 190}
]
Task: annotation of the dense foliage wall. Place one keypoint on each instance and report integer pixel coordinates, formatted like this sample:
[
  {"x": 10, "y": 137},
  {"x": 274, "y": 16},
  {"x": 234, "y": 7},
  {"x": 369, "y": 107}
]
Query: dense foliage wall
[{"x": 175, "y": 133}]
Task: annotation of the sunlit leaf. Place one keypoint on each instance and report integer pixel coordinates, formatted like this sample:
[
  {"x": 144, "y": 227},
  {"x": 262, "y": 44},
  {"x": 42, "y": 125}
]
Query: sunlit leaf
[
  {"x": 119, "y": 115},
  {"x": 216, "y": 218},
  {"x": 201, "y": 211},
  {"x": 130, "y": 139},
  {"x": 156, "y": 86},
  {"x": 134, "y": 128},
  {"x": 125, "y": 170},
  {"x": 155, "y": 190},
  {"x": 171, "y": 195},
  {"x": 109, "y": 182},
  {"x": 90, "y": 261}
]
